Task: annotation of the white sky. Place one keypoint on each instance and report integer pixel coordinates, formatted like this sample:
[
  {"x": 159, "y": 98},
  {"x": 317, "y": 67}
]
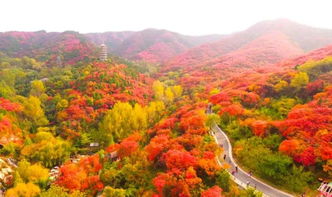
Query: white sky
[{"x": 191, "y": 17}]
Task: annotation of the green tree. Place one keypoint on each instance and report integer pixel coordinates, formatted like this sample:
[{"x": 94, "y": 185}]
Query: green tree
[
  {"x": 223, "y": 180},
  {"x": 212, "y": 119},
  {"x": 250, "y": 192},
  {"x": 283, "y": 105}
]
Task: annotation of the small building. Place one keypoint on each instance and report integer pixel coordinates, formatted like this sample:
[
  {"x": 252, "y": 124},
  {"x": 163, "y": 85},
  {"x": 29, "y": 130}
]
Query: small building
[
  {"x": 44, "y": 79},
  {"x": 325, "y": 189},
  {"x": 94, "y": 144},
  {"x": 112, "y": 156},
  {"x": 103, "y": 52}
]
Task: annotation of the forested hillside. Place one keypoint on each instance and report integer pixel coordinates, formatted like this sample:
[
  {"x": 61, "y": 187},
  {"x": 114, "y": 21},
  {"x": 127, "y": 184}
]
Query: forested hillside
[
  {"x": 151, "y": 45},
  {"x": 263, "y": 44},
  {"x": 52, "y": 48},
  {"x": 72, "y": 125}
]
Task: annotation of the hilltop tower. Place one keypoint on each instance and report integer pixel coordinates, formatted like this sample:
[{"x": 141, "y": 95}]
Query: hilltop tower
[
  {"x": 59, "y": 61},
  {"x": 103, "y": 52}
]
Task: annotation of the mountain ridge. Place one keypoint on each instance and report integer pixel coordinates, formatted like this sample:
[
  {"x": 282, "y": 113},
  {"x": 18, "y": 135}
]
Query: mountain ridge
[{"x": 301, "y": 37}]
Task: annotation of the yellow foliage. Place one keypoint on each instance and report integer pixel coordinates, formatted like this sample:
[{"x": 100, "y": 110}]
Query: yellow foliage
[
  {"x": 37, "y": 88},
  {"x": 280, "y": 86},
  {"x": 166, "y": 94},
  {"x": 47, "y": 149},
  {"x": 123, "y": 119},
  {"x": 158, "y": 89},
  {"x": 214, "y": 91},
  {"x": 23, "y": 190},
  {"x": 169, "y": 95},
  {"x": 177, "y": 91},
  {"x": 63, "y": 103},
  {"x": 33, "y": 110},
  {"x": 32, "y": 173},
  {"x": 300, "y": 80}
]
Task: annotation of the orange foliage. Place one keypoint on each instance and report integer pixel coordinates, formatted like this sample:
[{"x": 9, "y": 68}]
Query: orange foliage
[
  {"x": 179, "y": 159},
  {"x": 233, "y": 109},
  {"x": 221, "y": 99},
  {"x": 156, "y": 146},
  {"x": 178, "y": 183},
  {"x": 9, "y": 132},
  {"x": 312, "y": 124},
  {"x": 289, "y": 147},
  {"x": 128, "y": 145},
  {"x": 81, "y": 176},
  {"x": 194, "y": 122},
  {"x": 258, "y": 127},
  {"x": 214, "y": 191}
]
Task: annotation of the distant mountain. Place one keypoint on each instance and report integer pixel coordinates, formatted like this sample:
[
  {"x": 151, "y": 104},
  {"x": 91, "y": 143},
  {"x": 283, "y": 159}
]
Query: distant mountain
[
  {"x": 315, "y": 55},
  {"x": 150, "y": 45},
  {"x": 113, "y": 40},
  {"x": 265, "y": 43},
  {"x": 69, "y": 47}
]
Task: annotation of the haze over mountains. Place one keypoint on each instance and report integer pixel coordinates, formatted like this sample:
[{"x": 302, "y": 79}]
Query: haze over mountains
[
  {"x": 265, "y": 43},
  {"x": 151, "y": 45},
  {"x": 262, "y": 44}
]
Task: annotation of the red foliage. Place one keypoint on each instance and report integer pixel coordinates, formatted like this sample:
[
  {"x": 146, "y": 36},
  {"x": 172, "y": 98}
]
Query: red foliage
[
  {"x": 325, "y": 150},
  {"x": 249, "y": 98},
  {"x": 176, "y": 182},
  {"x": 157, "y": 145},
  {"x": 259, "y": 127},
  {"x": 150, "y": 45},
  {"x": 233, "y": 109},
  {"x": 188, "y": 140},
  {"x": 71, "y": 46},
  {"x": 289, "y": 147},
  {"x": 91, "y": 96},
  {"x": 194, "y": 122},
  {"x": 311, "y": 125},
  {"x": 168, "y": 123},
  {"x": 214, "y": 191},
  {"x": 9, "y": 106},
  {"x": 160, "y": 181},
  {"x": 314, "y": 55},
  {"x": 314, "y": 87},
  {"x": 179, "y": 159},
  {"x": 128, "y": 145},
  {"x": 307, "y": 157},
  {"x": 220, "y": 98},
  {"x": 81, "y": 176},
  {"x": 209, "y": 155},
  {"x": 9, "y": 132}
]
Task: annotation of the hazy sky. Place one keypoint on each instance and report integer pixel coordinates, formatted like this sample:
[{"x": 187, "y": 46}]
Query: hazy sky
[{"x": 192, "y": 17}]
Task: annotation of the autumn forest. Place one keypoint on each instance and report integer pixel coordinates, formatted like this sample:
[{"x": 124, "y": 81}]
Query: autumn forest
[{"x": 140, "y": 122}]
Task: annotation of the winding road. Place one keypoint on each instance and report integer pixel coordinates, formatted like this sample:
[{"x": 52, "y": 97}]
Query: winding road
[{"x": 240, "y": 177}]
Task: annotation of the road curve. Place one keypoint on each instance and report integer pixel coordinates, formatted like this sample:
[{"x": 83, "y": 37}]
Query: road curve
[{"x": 241, "y": 177}]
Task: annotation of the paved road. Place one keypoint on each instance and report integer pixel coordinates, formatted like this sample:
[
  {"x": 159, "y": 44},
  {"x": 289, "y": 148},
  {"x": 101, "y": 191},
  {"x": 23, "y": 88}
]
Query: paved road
[{"x": 241, "y": 177}]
